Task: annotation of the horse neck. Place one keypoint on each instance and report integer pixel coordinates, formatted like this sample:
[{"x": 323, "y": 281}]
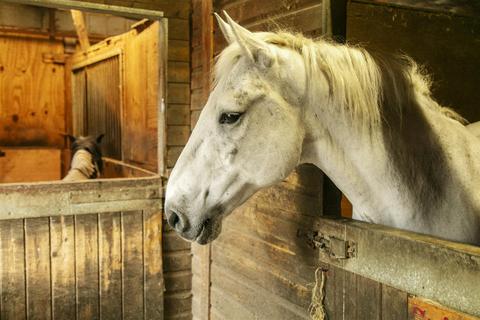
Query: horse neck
[{"x": 375, "y": 165}]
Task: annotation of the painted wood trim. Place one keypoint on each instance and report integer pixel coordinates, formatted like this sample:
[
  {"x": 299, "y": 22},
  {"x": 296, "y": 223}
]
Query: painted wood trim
[
  {"x": 126, "y": 12},
  {"x": 440, "y": 270}
]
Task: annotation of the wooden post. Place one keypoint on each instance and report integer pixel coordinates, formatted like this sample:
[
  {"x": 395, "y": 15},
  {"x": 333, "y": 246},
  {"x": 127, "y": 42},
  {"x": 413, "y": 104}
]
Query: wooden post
[{"x": 80, "y": 26}]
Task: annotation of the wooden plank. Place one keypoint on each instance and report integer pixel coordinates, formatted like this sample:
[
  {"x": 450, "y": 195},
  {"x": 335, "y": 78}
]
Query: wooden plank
[
  {"x": 251, "y": 296},
  {"x": 62, "y": 237},
  {"x": 178, "y": 114},
  {"x": 95, "y": 7},
  {"x": 423, "y": 309},
  {"x": 153, "y": 264},
  {"x": 381, "y": 256},
  {"x": 178, "y": 50},
  {"x": 177, "y": 135},
  {"x": 30, "y": 164},
  {"x": 110, "y": 265},
  {"x": 394, "y": 304},
  {"x": 133, "y": 265},
  {"x": 55, "y": 198},
  {"x": 178, "y": 72},
  {"x": 82, "y": 33},
  {"x": 454, "y": 7},
  {"x": 179, "y": 93},
  {"x": 86, "y": 266},
  {"x": 207, "y": 46},
  {"x": 37, "y": 268},
  {"x": 31, "y": 111},
  {"x": 13, "y": 304},
  {"x": 142, "y": 97},
  {"x": 443, "y": 37},
  {"x": 369, "y": 295}
]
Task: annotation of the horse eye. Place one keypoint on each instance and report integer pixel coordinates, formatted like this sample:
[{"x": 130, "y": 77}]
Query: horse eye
[{"x": 229, "y": 117}]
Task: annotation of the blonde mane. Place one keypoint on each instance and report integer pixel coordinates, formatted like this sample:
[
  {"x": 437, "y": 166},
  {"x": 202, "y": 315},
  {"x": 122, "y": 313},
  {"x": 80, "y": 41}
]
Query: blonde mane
[{"x": 363, "y": 85}]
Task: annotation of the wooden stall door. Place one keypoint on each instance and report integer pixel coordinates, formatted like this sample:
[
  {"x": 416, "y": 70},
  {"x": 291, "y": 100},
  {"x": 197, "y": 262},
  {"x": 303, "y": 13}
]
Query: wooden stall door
[{"x": 117, "y": 88}]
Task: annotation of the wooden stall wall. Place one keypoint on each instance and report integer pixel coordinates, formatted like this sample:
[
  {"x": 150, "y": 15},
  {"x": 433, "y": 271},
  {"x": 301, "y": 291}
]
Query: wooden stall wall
[
  {"x": 443, "y": 37},
  {"x": 32, "y": 112},
  {"x": 94, "y": 266},
  {"x": 176, "y": 252},
  {"x": 258, "y": 268}
]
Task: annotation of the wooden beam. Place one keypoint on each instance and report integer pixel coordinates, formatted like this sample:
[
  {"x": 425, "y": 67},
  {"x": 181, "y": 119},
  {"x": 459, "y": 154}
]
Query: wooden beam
[
  {"x": 56, "y": 198},
  {"x": 81, "y": 27},
  {"x": 126, "y": 12},
  {"x": 440, "y": 270}
]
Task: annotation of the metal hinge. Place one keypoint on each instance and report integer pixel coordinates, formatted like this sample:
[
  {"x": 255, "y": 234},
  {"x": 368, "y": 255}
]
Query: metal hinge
[{"x": 334, "y": 247}]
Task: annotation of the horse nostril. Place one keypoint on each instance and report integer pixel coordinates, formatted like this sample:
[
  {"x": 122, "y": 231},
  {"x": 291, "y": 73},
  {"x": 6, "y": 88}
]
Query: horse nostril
[{"x": 176, "y": 221}]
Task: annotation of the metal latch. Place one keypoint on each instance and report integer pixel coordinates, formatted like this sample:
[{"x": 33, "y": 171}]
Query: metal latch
[{"x": 334, "y": 247}]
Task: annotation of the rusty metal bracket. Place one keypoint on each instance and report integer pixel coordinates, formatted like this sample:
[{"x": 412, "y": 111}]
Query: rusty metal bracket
[{"x": 334, "y": 247}]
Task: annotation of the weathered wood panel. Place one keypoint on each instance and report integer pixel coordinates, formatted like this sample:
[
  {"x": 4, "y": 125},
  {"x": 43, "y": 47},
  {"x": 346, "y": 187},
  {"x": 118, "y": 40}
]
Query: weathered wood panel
[
  {"x": 62, "y": 239},
  {"x": 132, "y": 295},
  {"x": 95, "y": 266},
  {"x": 443, "y": 37},
  {"x": 29, "y": 164},
  {"x": 414, "y": 263},
  {"x": 110, "y": 265},
  {"x": 12, "y": 262},
  {"x": 32, "y": 112},
  {"x": 37, "y": 269},
  {"x": 86, "y": 266}
]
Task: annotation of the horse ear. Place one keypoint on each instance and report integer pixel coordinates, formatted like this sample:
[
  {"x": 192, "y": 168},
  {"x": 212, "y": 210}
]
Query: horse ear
[
  {"x": 99, "y": 138},
  {"x": 225, "y": 28},
  {"x": 257, "y": 50},
  {"x": 71, "y": 138}
]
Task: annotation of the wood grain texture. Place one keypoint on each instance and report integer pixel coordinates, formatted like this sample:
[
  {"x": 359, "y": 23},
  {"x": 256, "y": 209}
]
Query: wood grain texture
[
  {"x": 153, "y": 264},
  {"x": 86, "y": 266},
  {"x": 37, "y": 268},
  {"x": 110, "y": 265},
  {"x": 443, "y": 37},
  {"x": 30, "y": 164},
  {"x": 394, "y": 303},
  {"x": 133, "y": 265},
  {"x": 62, "y": 235},
  {"x": 13, "y": 303},
  {"x": 31, "y": 111}
]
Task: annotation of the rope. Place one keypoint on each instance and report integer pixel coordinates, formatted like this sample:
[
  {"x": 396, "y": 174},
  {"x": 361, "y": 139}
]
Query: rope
[{"x": 316, "y": 308}]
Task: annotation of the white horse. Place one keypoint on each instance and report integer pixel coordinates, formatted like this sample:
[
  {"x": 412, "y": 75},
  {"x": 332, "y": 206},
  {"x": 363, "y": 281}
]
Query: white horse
[{"x": 370, "y": 124}]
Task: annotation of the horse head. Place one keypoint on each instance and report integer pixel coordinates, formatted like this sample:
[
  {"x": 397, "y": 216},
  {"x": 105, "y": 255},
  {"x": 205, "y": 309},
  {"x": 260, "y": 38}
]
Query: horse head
[{"x": 249, "y": 135}]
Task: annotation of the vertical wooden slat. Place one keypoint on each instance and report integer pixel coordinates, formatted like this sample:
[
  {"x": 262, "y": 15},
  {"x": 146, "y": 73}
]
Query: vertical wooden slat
[
  {"x": 133, "y": 275},
  {"x": 63, "y": 267},
  {"x": 350, "y": 288},
  {"x": 79, "y": 85},
  {"x": 394, "y": 304},
  {"x": 12, "y": 270},
  {"x": 153, "y": 261},
  {"x": 86, "y": 253},
  {"x": 369, "y": 295},
  {"x": 37, "y": 257},
  {"x": 110, "y": 262}
]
